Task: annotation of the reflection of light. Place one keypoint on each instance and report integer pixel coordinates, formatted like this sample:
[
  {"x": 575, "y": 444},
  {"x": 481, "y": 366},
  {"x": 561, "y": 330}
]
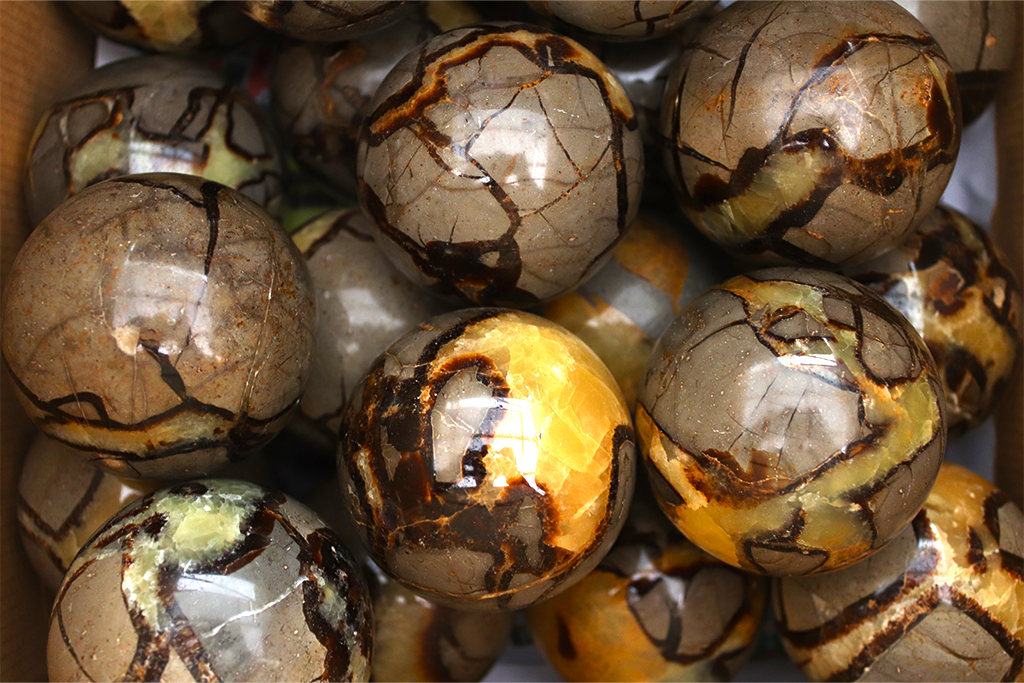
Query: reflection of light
[
  {"x": 517, "y": 433},
  {"x": 364, "y": 310},
  {"x": 214, "y": 584},
  {"x": 150, "y": 157},
  {"x": 523, "y": 137},
  {"x": 810, "y": 359},
  {"x": 162, "y": 292}
]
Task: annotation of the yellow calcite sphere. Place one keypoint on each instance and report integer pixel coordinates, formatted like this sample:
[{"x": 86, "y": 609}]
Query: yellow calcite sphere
[{"x": 488, "y": 459}]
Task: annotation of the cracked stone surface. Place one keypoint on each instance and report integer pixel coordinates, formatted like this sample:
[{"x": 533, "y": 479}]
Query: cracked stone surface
[
  {"x": 321, "y": 92},
  {"x": 624, "y": 19},
  {"x": 799, "y": 136},
  {"x": 321, "y": 20},
  {"x": 791, "y": 421},
  {"x": 978, "y": 39},
  {"x": 621, "y": 311},
  {"x": 159, "y": 323},
  {"x": 182, "y": 26},
  {"x": 147, "y": 115},
  {"x": 944, "y": 601},
  {"x": 957, "y": 289},
  {"x": 500, "y": 163},
  {"x": 656, "y": 608},
  {"x": 363, "y": 304},
  {"x": 212, "y": 580},
  {"x": 487, "y": 459},
  {"x": 62, "y": 500}
]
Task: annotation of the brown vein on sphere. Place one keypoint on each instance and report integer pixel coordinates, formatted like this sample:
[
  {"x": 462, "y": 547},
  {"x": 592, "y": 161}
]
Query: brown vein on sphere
[
  {"x": 986, "y": 21},
  {"x": 74, "y": 517},
  {"x": 888, "y": 635},
  {"x": 652, "y": 22},
  {"x": 1012, "y": 564},
  {"x": 211, "y": 203},
  {"x": 720, "y": 477},
  {"x": 669, "y": 646},
  {"x": 183, "y": 638},
  {"x": 240, "y": 436},
  {"x": 920, "y": 569},
  {"x": 114, "y": 116},
  {"x": 861, "y": 496},
  {"x": 337, "y": 658},
  {"x": 975, "y": 552},
  {"x": 44, "y": 542},
  {"x": 351, "y": 18},
  {"x": 57, "y": 613},
  {"x": 742, "y": 61},
  {"x": 565, "y": 646},
  {"x": 995, "y": 500},
  {"x": 227, "y": 97},
  {"x": 343, "y": 223}
]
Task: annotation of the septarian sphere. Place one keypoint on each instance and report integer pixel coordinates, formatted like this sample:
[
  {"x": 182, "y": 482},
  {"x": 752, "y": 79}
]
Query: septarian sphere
[
  {"x": 153, "y": 114},
  {"x": 811, "y": 133},
  {"x": 792, "y": 421},
  {"x": 943, "y": 602},
  {"x": 959, "y": 292},
  {"x": 500, "y": 163},
  {"x": 212, "y": 580},
  {"x": 160, "y": 323},
  {"x": 488, "y": 459}
]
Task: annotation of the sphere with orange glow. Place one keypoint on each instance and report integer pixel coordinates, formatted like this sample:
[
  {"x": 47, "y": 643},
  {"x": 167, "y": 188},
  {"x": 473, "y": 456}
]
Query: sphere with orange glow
[{"x": 488, "y": 459}]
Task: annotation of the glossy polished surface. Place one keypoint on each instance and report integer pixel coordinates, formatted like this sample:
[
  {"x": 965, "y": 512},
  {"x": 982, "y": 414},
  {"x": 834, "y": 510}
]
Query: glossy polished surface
[
  {"x": 151, "y": 114},
  {"x": 631, "y": 301},
  {"x": 321, "y": 91},
  {"x": 943, "y": 602},
  {"x": 325, "y": 19},
  {"x": 417, "y": 640},
  {"x": 160, "y": 323},
  {"x": 500, "y": 163},
  {"x": 488, "y": 459},
  {"x": 624, "y": 19},
  {"x": 792, "y": 421},
  {"x": 795, "y": 135},
  {"x": 957, "y": 290},
  {"x": 363, "y": 304},
  {"x": 62, "y": 500},
  {"x": 180, "y": 26},
  {"x": 978, "y": 38},
  {"x": 656, "y": 608},
  {"x": 212, "y": 580}
]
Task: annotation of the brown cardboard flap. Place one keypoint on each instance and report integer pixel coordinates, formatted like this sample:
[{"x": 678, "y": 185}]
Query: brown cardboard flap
[
  {"x": 1008, "y": 228},
  {"x": 42, "y": 51}
]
